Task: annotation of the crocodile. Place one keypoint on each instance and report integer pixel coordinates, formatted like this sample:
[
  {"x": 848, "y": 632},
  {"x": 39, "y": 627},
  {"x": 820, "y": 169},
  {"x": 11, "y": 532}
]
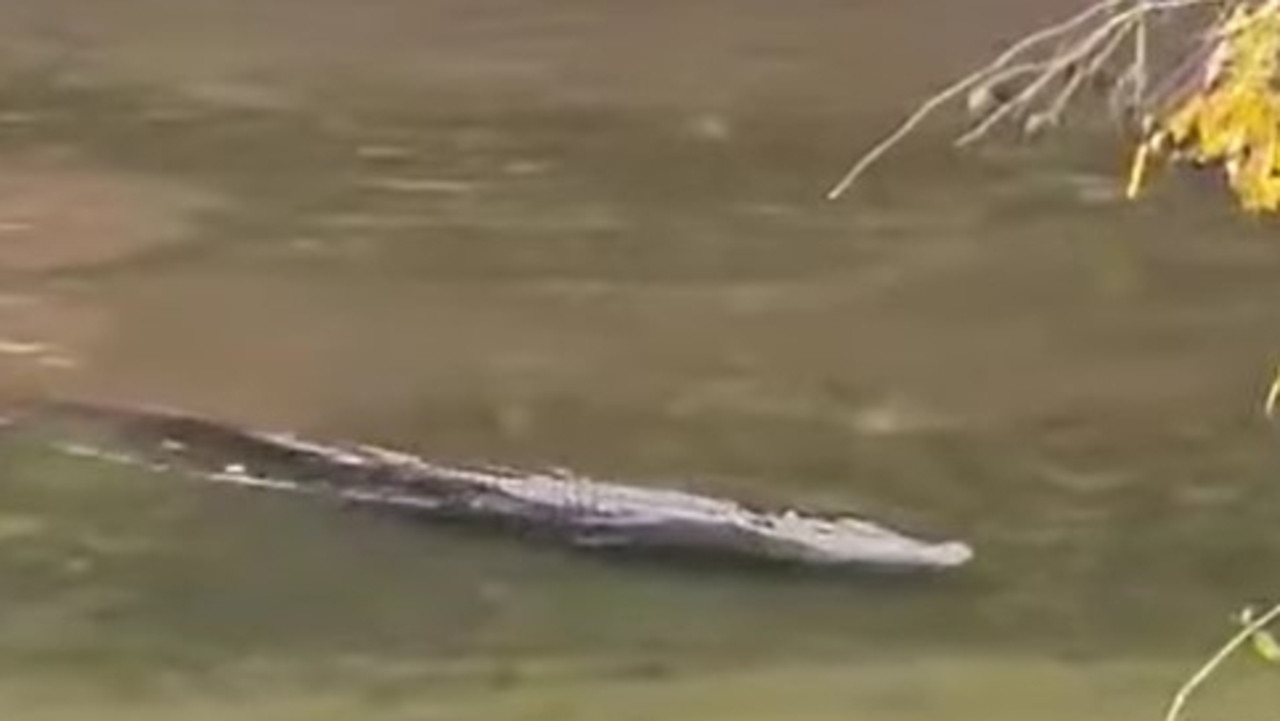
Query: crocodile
[{"x": 583, "y": 512}]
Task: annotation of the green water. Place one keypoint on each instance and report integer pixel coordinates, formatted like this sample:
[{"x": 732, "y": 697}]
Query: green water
[{"x": 984, "y": 347}]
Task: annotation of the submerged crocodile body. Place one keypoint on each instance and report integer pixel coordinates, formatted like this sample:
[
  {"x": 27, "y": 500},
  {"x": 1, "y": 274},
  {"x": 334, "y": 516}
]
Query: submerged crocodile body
[{"x": 581, "y": 512}]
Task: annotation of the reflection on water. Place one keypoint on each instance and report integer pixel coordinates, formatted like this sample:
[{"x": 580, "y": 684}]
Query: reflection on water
[{"x": 992, "y": 349}]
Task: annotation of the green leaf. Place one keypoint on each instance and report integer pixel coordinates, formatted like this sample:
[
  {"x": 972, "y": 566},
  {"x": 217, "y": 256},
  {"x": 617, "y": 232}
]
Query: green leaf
[
  {"x": 1263, "y": 642},
  {"x": 1266, "y": 646}
]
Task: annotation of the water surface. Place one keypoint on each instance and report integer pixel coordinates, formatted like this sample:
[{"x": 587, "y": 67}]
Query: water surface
[{"x": 535, "y": 248}]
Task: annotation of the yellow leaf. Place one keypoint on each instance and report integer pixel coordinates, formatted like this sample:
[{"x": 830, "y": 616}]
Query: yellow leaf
[
  {"x": 1137, "y": 170},
  {"x": 1233, "y": 119},
  {"x": 1273, "y": 396}
]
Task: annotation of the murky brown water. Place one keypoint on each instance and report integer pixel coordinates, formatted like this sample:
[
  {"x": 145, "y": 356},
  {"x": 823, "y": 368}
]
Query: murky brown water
[{"x": 593, "y": 235}]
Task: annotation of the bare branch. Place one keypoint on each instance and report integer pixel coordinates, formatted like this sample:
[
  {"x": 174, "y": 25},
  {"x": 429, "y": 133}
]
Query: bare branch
[
  {"x": 959, "y": 87},
  {"x": 1134, "y": 17}
]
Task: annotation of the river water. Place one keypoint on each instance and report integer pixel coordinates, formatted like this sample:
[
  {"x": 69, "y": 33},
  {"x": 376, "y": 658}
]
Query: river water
[{"x": 593, "y": 235}]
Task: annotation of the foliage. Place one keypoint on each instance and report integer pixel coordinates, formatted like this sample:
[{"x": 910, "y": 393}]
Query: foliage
[
  {"x": 1231, "y": 117},
  {"x": 1213, "y": 102}
]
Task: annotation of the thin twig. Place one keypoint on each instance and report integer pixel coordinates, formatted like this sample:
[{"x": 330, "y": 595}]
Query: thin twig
[
  {"x": 994, "y": 80},
  {"x": 901, "y": 132},
  {"x": 1202, "y": 674},
  {"x": 1013, "y": 71},
  {"x": 1140, "y": 59},
  {"x": 1186, "y": 71},
  {"x": 1059, "y": 103},
  {"x": 1202, "y": 61},
  {"x": 1059, "y": 64}
]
